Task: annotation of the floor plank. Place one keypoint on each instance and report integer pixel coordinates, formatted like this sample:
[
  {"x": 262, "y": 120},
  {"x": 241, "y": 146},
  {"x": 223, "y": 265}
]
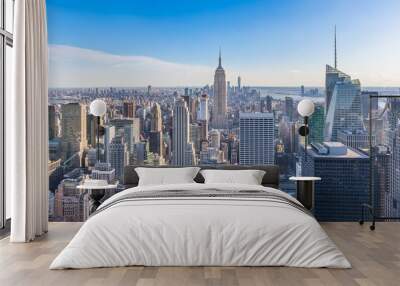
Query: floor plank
[{"x": 375, "y": 257}]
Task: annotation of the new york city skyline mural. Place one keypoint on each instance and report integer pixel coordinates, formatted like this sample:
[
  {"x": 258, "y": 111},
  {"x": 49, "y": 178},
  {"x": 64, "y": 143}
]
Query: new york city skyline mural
[{"x": 164, "y": 112}]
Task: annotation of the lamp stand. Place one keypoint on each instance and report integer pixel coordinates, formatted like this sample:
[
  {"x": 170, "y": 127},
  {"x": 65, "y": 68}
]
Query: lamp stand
[
  {"x": 98, "y": 139},
  {"x": 304, "y": 131},
  {"x": 306, "y": 136}
]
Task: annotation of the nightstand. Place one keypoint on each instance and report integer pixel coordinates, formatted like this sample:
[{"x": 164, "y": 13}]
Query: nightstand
[
  {"x": 305, "y": 190},
  {"x": 96, "y": 193}
]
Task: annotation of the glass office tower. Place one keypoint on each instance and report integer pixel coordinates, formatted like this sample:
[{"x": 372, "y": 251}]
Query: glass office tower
[
  {"x": 343, "y": 97},
  {"x": 256, "y": 138},
  {"x": 316, "y": 124},
  {"x": 343, "y": 188},
  {"x": 332, "y": 76}
]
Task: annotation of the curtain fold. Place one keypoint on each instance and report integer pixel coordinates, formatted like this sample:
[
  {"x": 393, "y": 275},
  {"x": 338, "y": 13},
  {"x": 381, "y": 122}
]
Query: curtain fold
[{"x": 26, "y": 127}]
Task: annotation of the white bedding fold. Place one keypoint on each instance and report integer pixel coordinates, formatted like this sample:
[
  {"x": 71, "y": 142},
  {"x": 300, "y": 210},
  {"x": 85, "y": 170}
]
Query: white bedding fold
[{"x": 223, "y": 231}]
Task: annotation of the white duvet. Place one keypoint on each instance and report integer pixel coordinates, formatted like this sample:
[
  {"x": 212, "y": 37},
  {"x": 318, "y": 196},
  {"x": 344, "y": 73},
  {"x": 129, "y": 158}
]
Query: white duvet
[{"x": 200, "y": 231}]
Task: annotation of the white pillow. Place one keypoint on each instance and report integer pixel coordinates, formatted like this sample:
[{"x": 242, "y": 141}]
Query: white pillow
[
  {"x": 166, "y": 176},
  {"x": 248, "y": 177}
]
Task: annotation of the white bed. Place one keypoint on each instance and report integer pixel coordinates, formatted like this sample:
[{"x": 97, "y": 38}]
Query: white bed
[{"x": 202, "y": 231}]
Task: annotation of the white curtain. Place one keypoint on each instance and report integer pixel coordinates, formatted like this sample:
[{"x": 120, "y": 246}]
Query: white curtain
[{"x": 26, "y": 124}]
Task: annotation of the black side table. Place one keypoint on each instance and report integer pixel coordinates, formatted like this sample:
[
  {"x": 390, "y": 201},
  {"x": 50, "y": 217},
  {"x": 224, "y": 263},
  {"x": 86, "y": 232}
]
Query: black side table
[
  {"x": 96, "y": 193},
  {"x": 305, "y": 190}
]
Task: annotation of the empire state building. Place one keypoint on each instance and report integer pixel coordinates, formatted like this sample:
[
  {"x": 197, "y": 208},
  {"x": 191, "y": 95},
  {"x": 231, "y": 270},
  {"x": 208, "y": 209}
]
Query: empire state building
[{"x": 220, "y": 100}]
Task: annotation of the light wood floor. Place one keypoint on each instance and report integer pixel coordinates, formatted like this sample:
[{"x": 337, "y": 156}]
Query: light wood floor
[{"x": 375, "y": 257}]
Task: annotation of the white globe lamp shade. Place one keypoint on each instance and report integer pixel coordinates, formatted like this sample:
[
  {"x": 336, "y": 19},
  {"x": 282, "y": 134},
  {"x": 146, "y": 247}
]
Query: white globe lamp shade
[
  {"x": 98, "y": 107},
  {"x": 305, "y": 107}
]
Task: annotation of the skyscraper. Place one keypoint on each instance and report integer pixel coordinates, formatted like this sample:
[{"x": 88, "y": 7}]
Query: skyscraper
[
  {"x": 294, "y": 137},
  {"x": 316, "y": 125},
  {"x": 92, "y": 129},
  {"x": 343, "y": 187},
  {"x": 266, "y": 104},
  {"x": 139, "y": 153},
  {"x": 257, "y": 138},
  {"x": 190, "y": 156},
  {"x": 289, "y": 107},
  {"x": 128, "y": 128},
  {"x": 187, "y": 100},
  {"x": 73, "y": 125},
  {"x": 129, "y": 137},
  {"x": 394, "y": 176},
  {"x": 194, "y": 107},
  {"x": 53, "y": 122},
  {"x": 136, "y": 129},
  {"x": 195, "y": 136},
  {"x": 332, "y": 76},
  {"x": 215, "y": 139},
  {"x": 156, "y": 119},
  {"x": 365, "y": 103},
  {"x": 156, "y": 142},
  {"x": 357, "y": 139},
  {"x": 202, "y": 114},
  {"x": 344, "y": 107},
  {"x": 91, "y": 158},
  {"x": 56, "y": 173},
  {"x": 109, "y": 134},
  {"x": 129, "y": 109},
  {"x": 220, "y": 97},
  {"x": 394, "y": 113},
  {"x": 69, "y": 203},
  {"x": 384, "y": 199},
  {"x": 155, "y": 135},
  {"x": 181, "y": 134},
  {"x": 203, "y": 124},
  {"x": 239, "y": 83},
  {"x": 118, "y": 156},
  {"x": 233, "y": 150}
]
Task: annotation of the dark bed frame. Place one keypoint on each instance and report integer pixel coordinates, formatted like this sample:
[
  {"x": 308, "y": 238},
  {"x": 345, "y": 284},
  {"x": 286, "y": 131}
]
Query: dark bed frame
[{"x": 270, "y": 179}]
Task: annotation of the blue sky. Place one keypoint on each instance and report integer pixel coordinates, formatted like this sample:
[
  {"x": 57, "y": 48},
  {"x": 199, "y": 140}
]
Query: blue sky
[{"x": 273, "y": 43}]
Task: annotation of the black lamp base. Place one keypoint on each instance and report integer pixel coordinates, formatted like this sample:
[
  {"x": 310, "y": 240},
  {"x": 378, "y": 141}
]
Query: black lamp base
[{"x": 304, "y": 130}]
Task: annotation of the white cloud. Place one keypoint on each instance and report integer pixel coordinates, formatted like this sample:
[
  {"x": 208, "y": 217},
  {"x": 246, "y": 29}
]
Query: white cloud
[{"x": 76, "y": 67}]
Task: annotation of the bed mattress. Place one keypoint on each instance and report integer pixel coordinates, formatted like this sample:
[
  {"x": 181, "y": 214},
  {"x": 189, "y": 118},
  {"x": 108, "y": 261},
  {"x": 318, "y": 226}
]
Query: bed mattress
[{"x": 201, "y": 225}]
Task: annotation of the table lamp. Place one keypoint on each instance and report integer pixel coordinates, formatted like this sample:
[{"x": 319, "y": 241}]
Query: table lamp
[
  {"x": 305, "y": 108},
  {"x": 98, "y": 108}
]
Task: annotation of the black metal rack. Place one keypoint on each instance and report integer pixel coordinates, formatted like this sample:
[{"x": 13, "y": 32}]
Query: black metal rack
[{"x": 371, "y": 206}]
